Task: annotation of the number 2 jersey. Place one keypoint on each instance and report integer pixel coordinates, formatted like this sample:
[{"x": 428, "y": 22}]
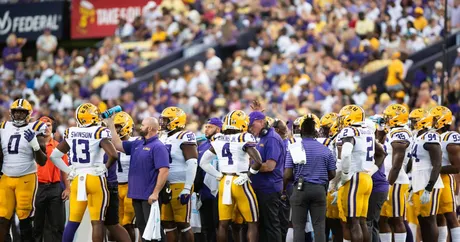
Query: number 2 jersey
[
  {"x": 18, "y": 156},
  {"x": 178, "y": 165},
  {"x": 398, "y": 134},
  {"x": 421, "y": 163},
  {"x": 231, "y": 151},
  {"x": 85, "y": 150},
  {"x": 362, "y": 156}
]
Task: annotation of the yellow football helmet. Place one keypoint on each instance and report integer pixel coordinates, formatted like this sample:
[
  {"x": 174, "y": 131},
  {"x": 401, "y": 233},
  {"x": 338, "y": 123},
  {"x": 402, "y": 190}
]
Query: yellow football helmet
[
  {"x": 87, "y": 114},
  {"x": 442, "y": 117},
  {"x": 328, "y": 120},
  {"x": 172, "y": 118},
  {"x": 20, "y": 111},
  {"x": 350, "y": 115},
  {"x": 395, "y": 115},
  {"x": 236, "y": 120},
  {"x": 334, "y": 130},
  {"x": 420, "y": 119},
  {"x": 125, "y": 122},
  {"x": 315, "y": 118}
]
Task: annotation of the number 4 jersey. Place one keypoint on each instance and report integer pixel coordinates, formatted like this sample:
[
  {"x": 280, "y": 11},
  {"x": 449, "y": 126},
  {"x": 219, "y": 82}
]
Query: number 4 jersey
[
  {"x": 85, "y": 149},
  {"x": 421, "y": 168},
  {"x": 18, "y": 156},
  {"x": 231, "y": 151}
]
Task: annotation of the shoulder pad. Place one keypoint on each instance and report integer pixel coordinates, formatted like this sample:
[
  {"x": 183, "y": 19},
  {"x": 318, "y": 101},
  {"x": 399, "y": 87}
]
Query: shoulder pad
[
  {"x": 102, "y": 133},
  {"x": 39, "y": 126},
  {"x": 400, "y": 134},
  {"x": 2, "y": 124},
  {"x": 349, "y": 132},
  {"x": 452, "y": 136},
  {"x": 246, "y": 137},
  {"x": 431, "y": 137},
  {"x": 186, "y": 136}
]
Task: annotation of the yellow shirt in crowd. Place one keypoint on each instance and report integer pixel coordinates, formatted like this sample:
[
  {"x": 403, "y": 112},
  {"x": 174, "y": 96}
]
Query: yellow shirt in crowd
[
  {"x": 395, "y": 69},
  {"x": 420, "y": 23}
]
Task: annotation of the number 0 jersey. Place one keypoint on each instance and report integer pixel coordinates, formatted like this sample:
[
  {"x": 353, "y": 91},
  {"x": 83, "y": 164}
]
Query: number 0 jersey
[
  {"x": 363, "y": 150},
  {"x": 448, "y": 138},
  {"x": 178, "y": 165},
  {"x": 123, "y": 164},
  {"x": 85, "y": 150},
  {"x": 18, "y": 156},
  {"x": 231, "y": 151},
  {"x": 421, "y": 168},
  {"x": 399, "y": 134}
]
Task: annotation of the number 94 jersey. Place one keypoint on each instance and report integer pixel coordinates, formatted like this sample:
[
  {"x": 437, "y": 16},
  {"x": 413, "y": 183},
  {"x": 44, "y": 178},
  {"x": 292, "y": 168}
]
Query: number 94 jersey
[
  {"x": 231, "y": 151},
  {"x": 363, "y": 150},
  {"x": 85, "y": 149},
  {"x": 18, "y": 156}
]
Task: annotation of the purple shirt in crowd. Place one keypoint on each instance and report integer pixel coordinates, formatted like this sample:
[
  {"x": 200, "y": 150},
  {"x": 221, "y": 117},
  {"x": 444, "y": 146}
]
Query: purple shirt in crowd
[
  {"x": 319, "y": 161},
  {"x": 147, "y": 157},
  {"x": 10, "y": 64},
  {"x": 270, "y": 147}
]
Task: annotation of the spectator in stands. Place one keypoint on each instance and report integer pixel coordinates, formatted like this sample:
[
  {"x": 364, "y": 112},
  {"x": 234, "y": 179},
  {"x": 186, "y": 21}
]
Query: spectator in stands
[
  {"x": 455, "y": 16},
  {"x": 213, "y": 63},
  {"x": 364, "y": 25},
  {"x": 112, "y": 89},
  {"x": 420, "y": 21},
  {"x": 124, "y": 29},
  {"x": 395, "y": 72},
  {"x": 457, "y": 59},
  {"x": 46, "y": 45},
  {"x": 415, "y": 42},
  {"x": 177, "y": 82},
  {"x": 12, "y": 52}
]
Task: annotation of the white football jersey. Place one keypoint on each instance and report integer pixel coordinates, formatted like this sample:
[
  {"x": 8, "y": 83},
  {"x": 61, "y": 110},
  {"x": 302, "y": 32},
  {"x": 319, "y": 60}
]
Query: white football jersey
[
  {"x": 395, "y": 135},
  {"x": 363, "y": 150},
  {"x": 230, "y": 151},
  {"x": 178, "y": 165},
  {"x": 85, "y": 150},
  {"x": 123, "y": 164},
  {"x": 421, "y": 163},
  {"x": 447, "y": 138},
  {"x": 18, "y": 156}
]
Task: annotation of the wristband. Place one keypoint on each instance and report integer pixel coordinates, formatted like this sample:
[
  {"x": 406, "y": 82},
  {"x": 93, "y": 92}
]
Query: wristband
[
  {"x": 430, "y": 186},
  {"x": 253, "y": 171},
  {"x": 34, "y": 144}
]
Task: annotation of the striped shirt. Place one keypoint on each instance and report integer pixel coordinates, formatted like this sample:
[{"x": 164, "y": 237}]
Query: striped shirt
[{"x": 319, "y": 161}]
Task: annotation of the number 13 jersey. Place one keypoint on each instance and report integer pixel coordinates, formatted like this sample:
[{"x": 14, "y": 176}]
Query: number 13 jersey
[
  {"x": 231, "y": 151},
  {"x": 18, "y": 156},
  {"x": 85, "y": 149}
]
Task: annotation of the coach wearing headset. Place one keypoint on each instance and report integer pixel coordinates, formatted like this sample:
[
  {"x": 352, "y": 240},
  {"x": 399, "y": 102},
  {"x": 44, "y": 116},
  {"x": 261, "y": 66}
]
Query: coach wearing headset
[
  {"x": 49, "y": 202},
  {"x": 268, "y": 183}
]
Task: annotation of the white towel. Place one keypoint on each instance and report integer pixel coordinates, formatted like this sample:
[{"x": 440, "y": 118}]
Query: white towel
[
  {"x": 309, "y": 225},
  {"x": 297, "y": 153},
  {"x": 227, "y": 194},
  {"x": 81, "y": 189},
  {"x": 212, "y": 184},
  {"x": 152, "y": 229},
  {"x": 195, "y": 219}
]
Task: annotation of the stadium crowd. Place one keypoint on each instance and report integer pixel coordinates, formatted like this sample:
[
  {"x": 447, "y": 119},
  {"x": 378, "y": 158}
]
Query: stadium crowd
[{"x": 306, "y": 57}]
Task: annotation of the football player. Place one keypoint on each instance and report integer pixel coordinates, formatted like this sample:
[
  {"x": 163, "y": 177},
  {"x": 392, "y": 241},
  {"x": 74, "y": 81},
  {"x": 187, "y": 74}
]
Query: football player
[
  {"x": 359, "y": 147},
  {"x": 450, "y": 146},
  {"x": 234, "y": 148},
  {"x": 86, "y": 145},
  {"x": 183, "y": 153},
  {"x": 120, "y": 206},
  {"x": 426, "y": 165},
  {"x": 397, "y": 145},
  {"x": 22, "y": 145}
]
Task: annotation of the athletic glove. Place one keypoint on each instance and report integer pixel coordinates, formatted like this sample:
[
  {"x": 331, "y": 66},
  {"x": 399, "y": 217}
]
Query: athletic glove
[
  {"x": 425, "y": 198},
  {"x": 241, "y": 179},
  {"x": 334, "y": 197},
  {"x": 184, "y": 196},
  {"x": 30, "y": 136}
]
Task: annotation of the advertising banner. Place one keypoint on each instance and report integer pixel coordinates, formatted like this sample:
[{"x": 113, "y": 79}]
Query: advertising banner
[
  {"x": 30, "y": 19},
  {"x": 99, "y": 18}
]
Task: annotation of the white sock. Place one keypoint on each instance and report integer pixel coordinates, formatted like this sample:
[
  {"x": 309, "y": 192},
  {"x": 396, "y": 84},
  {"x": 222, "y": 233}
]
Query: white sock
[
  {"x": 345, "y": 240},
  {"x": 385, "y": 237},
  {"x": 400, "y": 237},
  {"x": 413, "y": 230},
  {"x": 455, "y": 233},
  {"x": 442, "y": 234},
  {"x": 290, "y": 235}
]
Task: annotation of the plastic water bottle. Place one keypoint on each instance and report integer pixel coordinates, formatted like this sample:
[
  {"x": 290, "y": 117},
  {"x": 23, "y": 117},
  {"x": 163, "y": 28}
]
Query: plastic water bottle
[{"x": 111, "y": 111}]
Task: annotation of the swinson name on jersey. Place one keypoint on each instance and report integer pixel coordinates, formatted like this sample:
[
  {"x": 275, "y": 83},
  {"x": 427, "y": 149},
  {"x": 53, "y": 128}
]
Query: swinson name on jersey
[{"x": 86, "y": 135}]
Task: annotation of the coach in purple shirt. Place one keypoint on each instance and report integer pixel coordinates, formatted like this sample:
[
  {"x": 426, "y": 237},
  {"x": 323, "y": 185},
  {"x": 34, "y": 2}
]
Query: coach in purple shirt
[
  {"x": 310, "y": 183},
  {"x": 148, "y": 167},
  {"x": 268, "y": 183}
]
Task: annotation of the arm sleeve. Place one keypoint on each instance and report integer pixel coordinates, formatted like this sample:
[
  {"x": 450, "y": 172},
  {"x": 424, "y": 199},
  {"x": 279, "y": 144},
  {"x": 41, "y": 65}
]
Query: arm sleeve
[
  {"x": 127, "y": 146},
  {"x": 272, "y": 150},
  {"x": 347, "y": 149},
  {"x": 160, "y": 156},
  {"x": 56, "y": 158},
  {"x": 192, "y": 165},
  {"x": 205, "y": 164}
]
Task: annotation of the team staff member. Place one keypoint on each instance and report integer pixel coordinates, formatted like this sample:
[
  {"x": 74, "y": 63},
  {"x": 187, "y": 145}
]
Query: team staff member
[
  {"x": 50, "y": 198},
  {"x": 148, "y": 168},
  {"x": 310, "y": 182},
  {"x": 208, "y": 211},
  {"x": 268, "y": 183}
]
